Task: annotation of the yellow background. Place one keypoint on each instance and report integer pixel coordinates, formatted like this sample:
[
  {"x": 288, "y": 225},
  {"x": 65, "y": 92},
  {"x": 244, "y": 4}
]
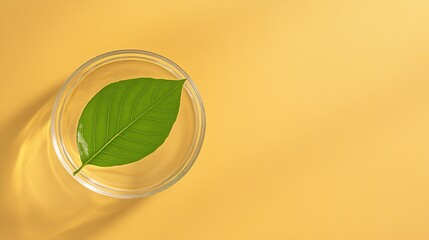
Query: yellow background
[{"x": 317, "y": 119}]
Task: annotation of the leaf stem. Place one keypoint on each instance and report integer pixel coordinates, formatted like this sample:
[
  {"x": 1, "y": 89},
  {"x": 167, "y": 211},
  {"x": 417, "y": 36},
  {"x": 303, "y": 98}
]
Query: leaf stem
[{"x": 78, "y": 170}]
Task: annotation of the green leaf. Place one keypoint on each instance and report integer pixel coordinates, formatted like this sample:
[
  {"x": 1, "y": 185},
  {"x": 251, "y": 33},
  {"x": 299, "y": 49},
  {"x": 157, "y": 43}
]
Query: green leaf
[{"x": 127, "y": 120}]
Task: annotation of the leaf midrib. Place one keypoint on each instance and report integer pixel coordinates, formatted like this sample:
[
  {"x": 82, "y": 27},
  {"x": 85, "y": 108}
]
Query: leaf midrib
[{"x": 125, "y": 128}]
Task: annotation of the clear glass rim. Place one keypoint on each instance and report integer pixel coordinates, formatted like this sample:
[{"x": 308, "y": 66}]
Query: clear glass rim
[{"x": 66, "y": 161}]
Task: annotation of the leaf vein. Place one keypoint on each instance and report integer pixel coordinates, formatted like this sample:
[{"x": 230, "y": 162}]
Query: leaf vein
[
  {"x": 108, "y": 115},
  {"x": 122, "y": 104},
  {"x": 145, "y": 133},
  {"x": 95, "y": 121},
  {"x": 135, "y": 140},
  {"x": 127, "y": 148},
  {"x": 154, "y": 119},
  {"x": 137, "y": 98}
]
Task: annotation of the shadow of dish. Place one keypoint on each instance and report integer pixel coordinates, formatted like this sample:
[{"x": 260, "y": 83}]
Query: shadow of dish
[{"x": 40, "y": 199}]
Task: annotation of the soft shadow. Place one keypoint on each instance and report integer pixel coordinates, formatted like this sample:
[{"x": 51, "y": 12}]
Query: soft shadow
[{"x": 40, "y": 199}]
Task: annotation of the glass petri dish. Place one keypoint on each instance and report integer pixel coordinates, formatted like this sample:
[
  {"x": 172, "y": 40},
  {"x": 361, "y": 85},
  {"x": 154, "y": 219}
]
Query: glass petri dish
[{"x": 155, "y": 172}]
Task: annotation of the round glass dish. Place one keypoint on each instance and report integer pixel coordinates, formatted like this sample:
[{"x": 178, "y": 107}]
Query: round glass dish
[{"x": 155, "y": 172}]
